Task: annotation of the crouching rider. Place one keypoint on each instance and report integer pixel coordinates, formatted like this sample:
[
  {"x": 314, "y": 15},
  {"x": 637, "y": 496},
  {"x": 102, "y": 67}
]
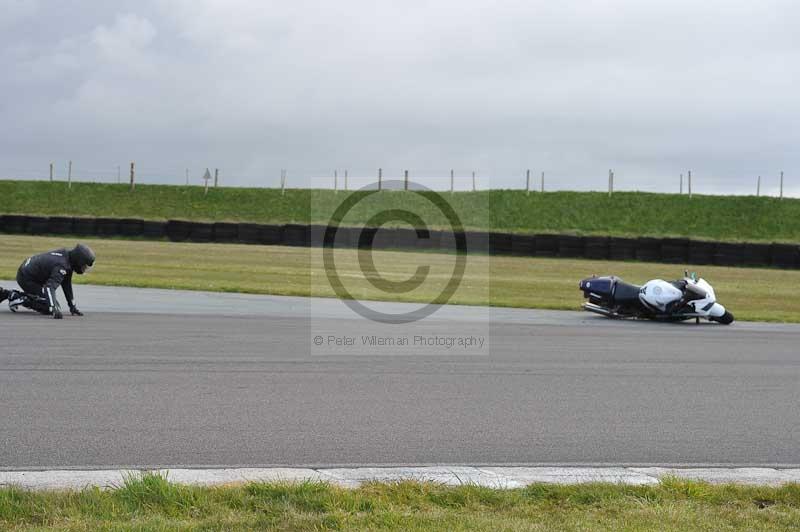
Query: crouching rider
[{"x": 40, "y": 276}]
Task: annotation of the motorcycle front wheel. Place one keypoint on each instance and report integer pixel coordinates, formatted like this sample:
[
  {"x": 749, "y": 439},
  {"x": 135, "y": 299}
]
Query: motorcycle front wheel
[{"x": 725, "y": 319}]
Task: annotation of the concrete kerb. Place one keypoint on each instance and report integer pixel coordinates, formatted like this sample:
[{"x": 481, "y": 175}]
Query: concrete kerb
[{"x": 498, "y": 477}]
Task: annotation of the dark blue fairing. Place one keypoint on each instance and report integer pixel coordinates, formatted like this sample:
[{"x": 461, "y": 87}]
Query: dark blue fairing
[{"x": 601, "y": 286}]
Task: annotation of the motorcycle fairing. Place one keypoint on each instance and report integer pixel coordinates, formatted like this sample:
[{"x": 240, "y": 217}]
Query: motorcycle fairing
[{"x": 658, "y": 294}]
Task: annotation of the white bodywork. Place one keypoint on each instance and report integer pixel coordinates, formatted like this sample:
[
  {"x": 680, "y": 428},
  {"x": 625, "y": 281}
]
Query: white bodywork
[
  {"x": 707, "y": 306},
  {"x": 659, "y": 293}
]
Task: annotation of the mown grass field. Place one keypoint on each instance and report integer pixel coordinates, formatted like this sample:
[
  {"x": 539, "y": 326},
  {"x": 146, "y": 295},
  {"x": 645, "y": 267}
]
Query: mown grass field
[
  {"x": 750, "y": 293},
  {"x": 729, "y": 218},
  {"x": 150, "y": 502}
]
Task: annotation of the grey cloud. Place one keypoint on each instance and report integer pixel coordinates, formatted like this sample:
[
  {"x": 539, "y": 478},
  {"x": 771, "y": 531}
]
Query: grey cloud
[{"x": 572, "y": 88}]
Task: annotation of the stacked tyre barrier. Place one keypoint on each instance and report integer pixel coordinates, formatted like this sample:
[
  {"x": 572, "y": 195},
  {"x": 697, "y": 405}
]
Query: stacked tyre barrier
[{"x": 645, "y": 249}]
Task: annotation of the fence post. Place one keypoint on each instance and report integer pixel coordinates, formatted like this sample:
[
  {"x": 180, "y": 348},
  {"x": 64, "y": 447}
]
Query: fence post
[
  {"x": 216, "y": 177},
  {"x": 133, "y": 173},
  {"x": 758, "y": 187},
  {"x": 69, "y": 175},
  {"x": 681, "y": 189},
  {"x": 781, "y": 184},
  {"x": 283, "y": 182},
  {"x": 452, "y": 180},
  {"x": 690, "y": 184},
  {"x": 542, "y": 181},
  {"x": 380, "y": 178},
  {"x": 528, "y": 182},
  {"x": 473, "y": 181},
  {"x": 206, "y": 179},
  {"x": 51, "y": 172},
  {"x": 610, "y": 182},
  {"x": 345, "y": 179},
  {"x": 335, "y": 181},
  {"x": 405, "y": 180},
  {"x": 119, "y": 175}
]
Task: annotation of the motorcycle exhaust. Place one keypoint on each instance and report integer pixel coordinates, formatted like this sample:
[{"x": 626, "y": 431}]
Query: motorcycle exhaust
[{"x": 597, "y": 309}]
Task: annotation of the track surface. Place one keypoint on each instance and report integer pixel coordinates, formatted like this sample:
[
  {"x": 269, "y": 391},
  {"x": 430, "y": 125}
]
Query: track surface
[{"x": 163, "y": 378}]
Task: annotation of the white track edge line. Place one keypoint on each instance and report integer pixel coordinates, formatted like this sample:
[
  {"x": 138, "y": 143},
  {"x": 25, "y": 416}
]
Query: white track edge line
[{"x": 494, "y": 476}]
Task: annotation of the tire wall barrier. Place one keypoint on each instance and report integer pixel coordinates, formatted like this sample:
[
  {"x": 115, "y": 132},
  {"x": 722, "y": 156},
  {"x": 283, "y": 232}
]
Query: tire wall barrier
[
  {"x": 648, "y": 249},
  {"x": 107, "y": 227},
  {"x": 60, "y": 225},
  {"x": 38, "y": 224},
  {"x": 296, "y": 235},
  {"x": 571, "y": 246},
  {"x": 622, "y": 248},
  {"x": 131, "y": 227},
  {"x": 201, "y": 232},
  {"x": 597, "y": 247},
  {"x": 84, "y": 226},
  {"x": 645, "y": 249}
]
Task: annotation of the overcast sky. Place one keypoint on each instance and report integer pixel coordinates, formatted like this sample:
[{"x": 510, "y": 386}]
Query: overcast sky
[{"x": 571, "y": 88}]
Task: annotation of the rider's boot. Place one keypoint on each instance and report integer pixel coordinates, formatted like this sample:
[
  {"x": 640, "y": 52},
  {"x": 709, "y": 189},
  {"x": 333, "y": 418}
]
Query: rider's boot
[{"x": 15, "y": 300}]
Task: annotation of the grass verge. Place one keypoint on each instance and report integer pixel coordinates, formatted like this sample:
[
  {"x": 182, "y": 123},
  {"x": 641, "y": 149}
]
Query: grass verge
[
  {"x": 750, "y": 293},
  {"x": 150, "y": 502},
  {"x": 731, "y": 218}
]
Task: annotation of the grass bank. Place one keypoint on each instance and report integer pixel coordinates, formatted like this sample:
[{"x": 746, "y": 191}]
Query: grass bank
[
  {"x": 150, "y": 502},
  {"x": 730, "y": 218},
  {"x": 750, "y": 293}
]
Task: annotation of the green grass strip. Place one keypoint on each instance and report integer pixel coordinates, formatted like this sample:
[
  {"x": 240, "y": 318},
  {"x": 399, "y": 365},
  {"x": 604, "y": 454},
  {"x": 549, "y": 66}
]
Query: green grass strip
[
  {"x": 151, "y": 502},
  {"x": 750, "y": 293},
  {"x": 729, "y": 218}
]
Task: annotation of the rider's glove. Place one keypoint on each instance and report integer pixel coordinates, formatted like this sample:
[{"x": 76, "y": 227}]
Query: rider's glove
[
  {"x": 57, "y": 312},
  {"x": 74, "y": 311}
]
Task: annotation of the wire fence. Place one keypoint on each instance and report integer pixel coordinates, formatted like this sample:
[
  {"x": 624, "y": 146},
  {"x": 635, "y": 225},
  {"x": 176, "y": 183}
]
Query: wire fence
[{"x": 773, "y": 184}]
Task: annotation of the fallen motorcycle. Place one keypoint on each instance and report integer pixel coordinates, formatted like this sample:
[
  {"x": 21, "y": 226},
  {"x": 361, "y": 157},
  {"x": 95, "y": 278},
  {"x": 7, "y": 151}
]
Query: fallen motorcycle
[{"x": 661, "y": 300}]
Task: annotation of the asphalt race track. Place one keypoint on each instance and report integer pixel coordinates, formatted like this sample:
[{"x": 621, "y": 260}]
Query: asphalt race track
[{"x": 159, "y": 378}]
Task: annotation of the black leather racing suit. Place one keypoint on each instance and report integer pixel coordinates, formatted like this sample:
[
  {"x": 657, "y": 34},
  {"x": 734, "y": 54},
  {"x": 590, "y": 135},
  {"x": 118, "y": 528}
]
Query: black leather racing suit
[{"x": 42, "y": 274}]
